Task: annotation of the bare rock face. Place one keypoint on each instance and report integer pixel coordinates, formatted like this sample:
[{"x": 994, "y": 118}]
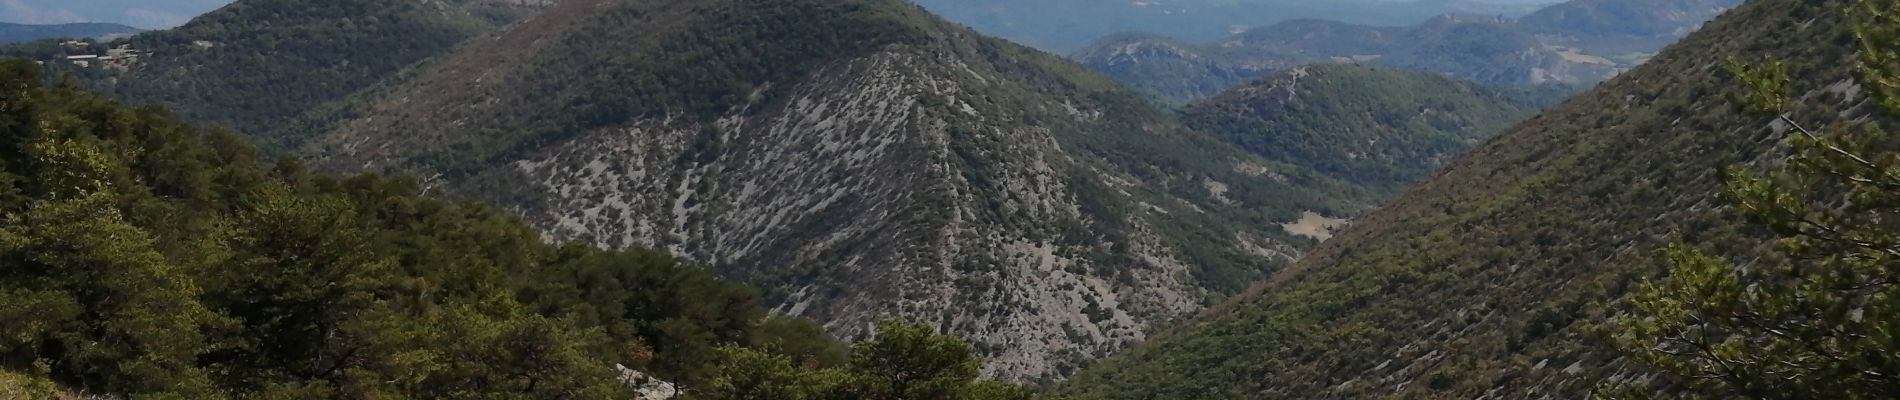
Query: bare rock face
[
  {"x": 849, "y": 199},
  {"x": 994, "y": 191}
]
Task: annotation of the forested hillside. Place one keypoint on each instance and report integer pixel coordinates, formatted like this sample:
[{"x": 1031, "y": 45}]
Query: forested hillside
[
  {"x": 1375, "y": 127},
  {"x": 255, "y": 64},
  {"x": 1576, "y": 43},
  {"x": 1498, "y": 277},
  {"x": 142, "y": 257}
]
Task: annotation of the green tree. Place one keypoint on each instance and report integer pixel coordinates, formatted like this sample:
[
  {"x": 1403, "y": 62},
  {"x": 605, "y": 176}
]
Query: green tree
[
  {"x": 904, "y": 362},
  {"x": 912, "y": 361},
  {"x": 1821, "y": 318},
  {"x": 85, "y": 298},
  {"x": 750, "y": 374},
  {"x": 305, "y": 288}
]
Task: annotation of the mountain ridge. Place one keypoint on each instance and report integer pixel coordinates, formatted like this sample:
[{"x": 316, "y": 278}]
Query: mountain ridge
[
  {"x": 252, "y": 65},
  {"x": 1491, "y": 279},
  {"x": 895, "y": 165}
]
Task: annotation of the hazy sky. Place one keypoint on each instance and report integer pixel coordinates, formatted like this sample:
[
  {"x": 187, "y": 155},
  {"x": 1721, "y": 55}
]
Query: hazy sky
[{"x": 148, "y": 14}]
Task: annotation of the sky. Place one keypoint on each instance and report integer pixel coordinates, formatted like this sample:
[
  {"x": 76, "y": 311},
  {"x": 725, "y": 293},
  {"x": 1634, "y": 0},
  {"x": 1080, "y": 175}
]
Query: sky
[{"x": 146, "y": 14}]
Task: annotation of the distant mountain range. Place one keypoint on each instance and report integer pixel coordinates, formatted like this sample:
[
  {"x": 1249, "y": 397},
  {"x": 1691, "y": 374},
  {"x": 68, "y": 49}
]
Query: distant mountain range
[
  {"x": 148, "y": 14},
  {"x": 1575, "y": 43},
  {"x": 1064, "y": 26},
  {"x": 16, "y": 33}
]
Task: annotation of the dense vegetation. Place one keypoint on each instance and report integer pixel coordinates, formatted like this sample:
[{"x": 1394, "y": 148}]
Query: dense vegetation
[
  {"x": 907, "y": 362},
  {"x": 1815, "y": 322},
  {"x": 1376, "y": 127},
  {"x": 142, "y": 257},
  {"x": 1496, "y": 277},
  {"x": 16, "y": 33}
]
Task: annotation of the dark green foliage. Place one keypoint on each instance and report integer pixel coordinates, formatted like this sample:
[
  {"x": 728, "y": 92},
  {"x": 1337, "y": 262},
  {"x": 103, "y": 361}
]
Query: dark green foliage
[
  {"x": 144, "y": 258},
  {"x": 904, "y": 362},
  {"x": 912, "y": 362}
]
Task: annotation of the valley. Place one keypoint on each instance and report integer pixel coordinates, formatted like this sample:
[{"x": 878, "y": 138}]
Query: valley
[{"x": 1498, "y": 277}]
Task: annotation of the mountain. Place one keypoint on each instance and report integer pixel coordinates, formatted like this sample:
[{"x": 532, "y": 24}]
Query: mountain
[
  {"x": 1493, "y": 279},
  {"x": 15, "y": 33},
  {"x": 857, "y": 159},
  {"x": 1375, "y": 127},
  {"x": 1067, "y": 25},
  {"x": 1576, "y": 43},
  {"x": 1176, "y": 72},
  {"x": 254, "y": 64}
]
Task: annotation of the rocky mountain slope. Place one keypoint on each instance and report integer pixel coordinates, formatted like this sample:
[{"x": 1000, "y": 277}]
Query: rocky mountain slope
[
  {"x": 1577, "y": 43},
  {"x": 859, "y": 159},
  {"x": 15, "y": 33},
  {"x": 1491, "y": 279}
]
